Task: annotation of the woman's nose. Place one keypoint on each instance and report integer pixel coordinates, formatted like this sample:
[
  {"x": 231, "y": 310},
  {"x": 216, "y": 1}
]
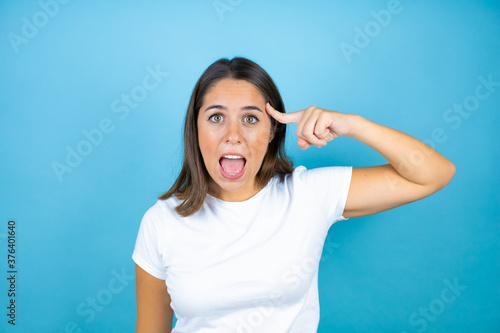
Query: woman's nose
[{"x": 233, "y": 133}]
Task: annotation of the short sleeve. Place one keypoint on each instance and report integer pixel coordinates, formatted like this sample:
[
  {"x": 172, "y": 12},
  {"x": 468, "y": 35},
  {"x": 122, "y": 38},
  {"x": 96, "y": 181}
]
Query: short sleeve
[
  {"x": 146, "y": 252},
  {"x": 326, "y": 189}
]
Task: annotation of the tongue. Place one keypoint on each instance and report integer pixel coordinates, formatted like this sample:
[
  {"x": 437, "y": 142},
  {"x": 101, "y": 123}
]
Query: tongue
[{"x": 232, "y": 166}]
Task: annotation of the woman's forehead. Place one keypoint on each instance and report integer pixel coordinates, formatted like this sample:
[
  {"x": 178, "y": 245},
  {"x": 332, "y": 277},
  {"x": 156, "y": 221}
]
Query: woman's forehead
[{"x": 233, "y": 91}]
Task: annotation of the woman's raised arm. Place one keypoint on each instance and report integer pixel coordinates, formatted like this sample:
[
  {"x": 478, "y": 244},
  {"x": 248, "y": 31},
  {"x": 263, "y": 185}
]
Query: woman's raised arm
[{"x": 415, "y": 170}]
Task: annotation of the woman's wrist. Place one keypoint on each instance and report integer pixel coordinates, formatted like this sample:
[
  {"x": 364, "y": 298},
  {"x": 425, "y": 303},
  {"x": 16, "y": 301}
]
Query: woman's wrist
[{"x": 355, "y": 126}]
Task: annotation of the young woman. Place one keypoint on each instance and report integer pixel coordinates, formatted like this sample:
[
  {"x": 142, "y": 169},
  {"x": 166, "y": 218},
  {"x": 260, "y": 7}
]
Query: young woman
[{"x": 235, "y": 244}]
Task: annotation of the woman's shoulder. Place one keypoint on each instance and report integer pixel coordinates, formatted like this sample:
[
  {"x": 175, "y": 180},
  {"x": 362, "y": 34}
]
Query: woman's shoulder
[
  {"x": 162, "y": 208},
  {"x": 301, "y": 169},
  {"x": 296, "y": 171},
  {"x": 320, "y": 175}
]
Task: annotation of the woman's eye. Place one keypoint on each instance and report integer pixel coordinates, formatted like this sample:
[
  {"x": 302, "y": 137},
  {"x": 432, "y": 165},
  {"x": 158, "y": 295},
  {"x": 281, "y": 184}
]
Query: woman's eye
[
  {"x": 250, "y": 119},
  {"x": 216, "y": 118}
]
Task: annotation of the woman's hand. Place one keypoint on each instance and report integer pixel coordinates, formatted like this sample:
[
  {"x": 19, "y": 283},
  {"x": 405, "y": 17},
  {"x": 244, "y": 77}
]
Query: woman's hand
[{"x": 315, "y": 126}]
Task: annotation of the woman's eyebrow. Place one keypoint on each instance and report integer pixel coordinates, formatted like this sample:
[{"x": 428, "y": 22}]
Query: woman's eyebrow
[
  {"x": 215, "y": 107},
  {"x": 251, "y": 107},
  {"x": 222, "y": 107}
]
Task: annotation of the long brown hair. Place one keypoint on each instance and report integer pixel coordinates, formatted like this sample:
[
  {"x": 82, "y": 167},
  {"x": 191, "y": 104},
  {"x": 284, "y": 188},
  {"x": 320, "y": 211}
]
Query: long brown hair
[{"x": 192, "y": 184}]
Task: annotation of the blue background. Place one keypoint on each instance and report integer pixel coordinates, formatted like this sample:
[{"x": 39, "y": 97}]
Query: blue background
[{"x": 76, "y": 232}]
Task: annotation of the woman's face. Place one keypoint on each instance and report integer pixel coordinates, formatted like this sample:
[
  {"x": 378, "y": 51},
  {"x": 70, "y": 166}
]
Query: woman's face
[{"x": 234, "y": 131}]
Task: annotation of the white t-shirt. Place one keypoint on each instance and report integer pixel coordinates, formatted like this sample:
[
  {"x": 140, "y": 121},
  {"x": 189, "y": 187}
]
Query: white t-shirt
[{"x": 248, "y": 266}]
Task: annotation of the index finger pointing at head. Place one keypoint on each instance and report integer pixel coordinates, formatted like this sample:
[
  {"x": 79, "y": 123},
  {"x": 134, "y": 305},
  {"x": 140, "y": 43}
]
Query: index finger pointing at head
[{"x": 284, "y": 118}]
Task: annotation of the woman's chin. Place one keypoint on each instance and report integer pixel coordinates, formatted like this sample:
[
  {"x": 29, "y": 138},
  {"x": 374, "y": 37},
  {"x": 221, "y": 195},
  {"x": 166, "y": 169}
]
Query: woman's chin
[{"x": 237, "y": 189}]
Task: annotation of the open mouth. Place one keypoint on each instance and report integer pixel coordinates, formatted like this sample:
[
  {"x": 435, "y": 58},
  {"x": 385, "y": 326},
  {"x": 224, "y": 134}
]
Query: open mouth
[{"x": 232, "y": 166}]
